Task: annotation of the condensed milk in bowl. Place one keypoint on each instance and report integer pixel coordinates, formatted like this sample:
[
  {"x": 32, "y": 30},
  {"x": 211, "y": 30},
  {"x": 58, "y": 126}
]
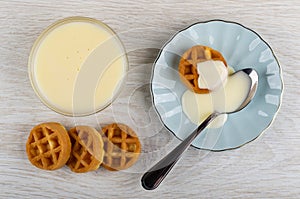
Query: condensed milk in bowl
[{"x": 77, "y": 66}]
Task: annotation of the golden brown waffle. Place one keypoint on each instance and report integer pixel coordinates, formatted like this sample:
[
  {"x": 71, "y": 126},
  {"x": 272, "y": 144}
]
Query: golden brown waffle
[
  {"x": 122, "y": 147},
  {"x": 188, "y": 65},
  {"x": 87, "y": 149},
  {"x": 48, "y": 146}
]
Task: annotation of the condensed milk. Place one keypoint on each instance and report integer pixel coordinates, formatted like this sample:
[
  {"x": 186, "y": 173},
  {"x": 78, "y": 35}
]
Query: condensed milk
[
  {"x": 77, "y": 66},
  {"x": 226, "y": 98}
]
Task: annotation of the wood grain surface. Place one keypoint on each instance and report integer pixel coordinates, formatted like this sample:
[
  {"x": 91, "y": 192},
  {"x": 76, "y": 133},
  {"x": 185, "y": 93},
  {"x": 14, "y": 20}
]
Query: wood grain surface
[{"x": 268, "y": 167}]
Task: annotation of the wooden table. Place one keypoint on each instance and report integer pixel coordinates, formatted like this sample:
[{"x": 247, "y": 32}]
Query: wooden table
[{"x": 268, "y": 167}]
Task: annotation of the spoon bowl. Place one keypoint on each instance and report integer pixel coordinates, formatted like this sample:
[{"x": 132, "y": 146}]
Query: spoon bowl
[
  {"x": 253, "y": 87},
  {"x": 154, "y": 176}
]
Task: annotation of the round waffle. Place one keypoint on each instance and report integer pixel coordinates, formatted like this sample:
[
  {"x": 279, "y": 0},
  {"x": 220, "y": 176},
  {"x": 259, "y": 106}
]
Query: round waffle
[
  {"x": 87, "y": 149},
  {"x": 188, "y": 65},
  {"x": 122, "y": 147},
  {"x": 48, "y": 146}
]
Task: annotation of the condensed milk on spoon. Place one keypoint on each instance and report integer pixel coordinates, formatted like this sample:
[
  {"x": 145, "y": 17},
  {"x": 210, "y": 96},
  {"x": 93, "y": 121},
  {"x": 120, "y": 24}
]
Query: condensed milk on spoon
[{"x": 226, "y": 94}]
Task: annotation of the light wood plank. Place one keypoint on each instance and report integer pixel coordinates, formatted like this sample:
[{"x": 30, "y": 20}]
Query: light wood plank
[{"x": 266, "y": 168}]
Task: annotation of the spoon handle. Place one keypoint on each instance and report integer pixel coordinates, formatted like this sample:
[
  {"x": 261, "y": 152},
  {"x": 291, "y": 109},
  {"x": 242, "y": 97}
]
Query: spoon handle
[{"x": 154, "y": 176}]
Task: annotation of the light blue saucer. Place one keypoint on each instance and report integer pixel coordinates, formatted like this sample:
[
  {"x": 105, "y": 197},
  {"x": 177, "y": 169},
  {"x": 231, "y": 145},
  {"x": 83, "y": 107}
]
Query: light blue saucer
[{"x": 242, "y": 48}]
